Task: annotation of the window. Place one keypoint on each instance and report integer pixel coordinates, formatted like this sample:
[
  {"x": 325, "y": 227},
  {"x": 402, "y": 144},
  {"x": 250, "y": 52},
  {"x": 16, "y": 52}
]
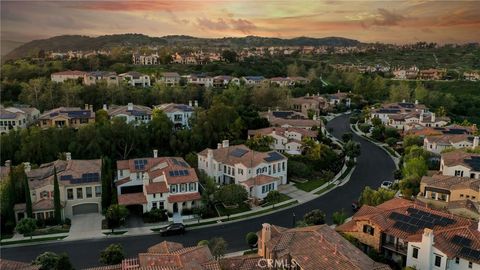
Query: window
[
  {"x": 79, "y": 193},
  {"x": 121, "y": 173},
  {"x": 438, "y": 260},
  {"x": 161, "y": 205},
  {"x": 458, "y": 173},
  {"x": 88, "y": 192},
  {"x": 154, "y": 205},
  {"x": 457, "y": 260},
  {"x": 183, "y": 187},
  {"x": 191, "y": 186},
  {"x": 173, "y": 188},
  {"x": 69, "y": 194},
  {"x": 98, "y": 191},
  {"x": 154, "y": 195},
  {"x": 44, "y": 194},
  {"x": 368, "y": 229},
  {"x": 415, "y": 253}
]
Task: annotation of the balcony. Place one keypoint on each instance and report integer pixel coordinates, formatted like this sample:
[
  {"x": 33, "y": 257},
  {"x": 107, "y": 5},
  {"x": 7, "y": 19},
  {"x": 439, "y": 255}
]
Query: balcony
[{"x": 398, "y": 248}]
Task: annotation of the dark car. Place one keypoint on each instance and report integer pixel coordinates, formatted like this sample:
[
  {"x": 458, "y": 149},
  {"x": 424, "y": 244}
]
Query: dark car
[{"x": 173, "y": 229}]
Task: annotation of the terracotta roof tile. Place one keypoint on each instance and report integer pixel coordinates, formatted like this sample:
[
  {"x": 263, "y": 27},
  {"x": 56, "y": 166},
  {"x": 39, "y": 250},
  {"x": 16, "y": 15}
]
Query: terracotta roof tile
[
  {"x": 158, "y": 187},
  {"x": 14, "y": 265},
  {"x": 184, "y": 197},
  {"x": 259, "y": 180},
  {"x": 132, "y": 199}
]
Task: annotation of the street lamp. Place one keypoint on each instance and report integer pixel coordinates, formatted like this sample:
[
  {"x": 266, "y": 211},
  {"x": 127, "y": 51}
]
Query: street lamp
[{"x": 293, "y": 219}]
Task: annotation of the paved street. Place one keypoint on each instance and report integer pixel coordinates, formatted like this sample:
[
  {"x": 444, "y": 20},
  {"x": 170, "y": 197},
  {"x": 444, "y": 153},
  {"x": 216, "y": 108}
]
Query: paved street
[{"x": 373, "y": 166}]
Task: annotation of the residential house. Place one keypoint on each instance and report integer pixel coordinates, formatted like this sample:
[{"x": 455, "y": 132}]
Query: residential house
[
  {"x": 395, "y": 228},
  {"x": 399, "y": 74},
  {"x": 157, "y": 183},
  {"x": 281, "y": 81},
  {"x": 285, "y": 140},
  {"x": 145, "y": 60},
  {"x": 339, "y": 98},
  {"x": 14, "y": 118},
  {"x": 460, "y": 163},
  {"x": 15, "y": 265},
  {"x": 109, "y": 77},
  {"x": 412, "y": 73},
  {"x": 67, "y": 117},
  {"x": 200, "y": 79},
  {"x": 431, "y": 74},
  {"x": 168, "y": 256},
  {"x": 179, "y": 114},
  {"x": 309, "y": 104},
  {"x": 441, "y": 190},
  {"x": 253, "y": 80},
  {"x": 471, "y": 76},
  {"x": 305, "y": 248},
  {"x": 170, "y": 78},
  {"x": 291, "y": 119},
  {"x": 131, "y": 113},
  {"x": 258, "y": 172},
  {"x": 439, "y": 143},
  {"x": 223, "y": 81},
  {"x": 62, "y": 76},
  {"x": 80, "y": 188},
  {"x": 136, "y": 78},
  {"x": 445, "y": 130}
]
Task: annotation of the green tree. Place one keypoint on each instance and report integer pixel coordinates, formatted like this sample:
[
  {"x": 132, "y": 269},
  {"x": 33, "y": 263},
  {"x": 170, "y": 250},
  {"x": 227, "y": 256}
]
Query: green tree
[
  {"x": 339, "y": 217},
  {"x": 231, "y": 194},
  {"x": 56, "y": 198},
  {"x": 411, "y": 140},
  {"x": 202, "y": 243},
  {"x": 116, "y": 215},
  {"x": 113, "y": 254},
  {"x": 400, "y": 92},
  {"x": 260, "y": 143},
  {"x": 421, "y": 93},
  {"x": 273, "y": 197},
  {"x": 375, "y": 197},
  {"x": 251, "y": 238},
  {"x": 314, "y": 217},
  {"x": 28, "y": 199},
  {"x": 47, "y": 260},
  {"x": 415, "y": 168},
  {"x": 229, "y": 56},
  {"x": 352, "y": 149},
  {"x": 63, "y": 262},
  {"x": 26, "y": 226},
  {"x": 106, "y": 183},
  {"x": 218, "y": 247}
]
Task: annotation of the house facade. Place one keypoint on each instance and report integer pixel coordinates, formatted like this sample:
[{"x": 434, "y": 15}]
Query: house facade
[
  {"x": 257, "y": 172},
  {"x": 170, "y": 78},
  {"x": 92, "y": 78},
  {"x": 157, "y": 183},
  {"x": 437, "y": 144},
  {"x": 67, "y": 117},
  {"x": 460, "y": 163},
  {"x": 285, "y": 140},
  {"x": 131, "y": 113},
  {"x": 62, "y": 76},
  {"x": 200, "y": 79},
  {"x": 253, "y": 80},
  {"x": 309, "y": 104},
  {"x": 79, "y": 183},
  {"x": 287, "y": 119},
  {"x": 14, "y": 118},
  {"x": 179, "y": 114},
  {"x": 145, "y": 60},
  {"x": 223, "y": 81},
  {"x": 134, "y": 78}
]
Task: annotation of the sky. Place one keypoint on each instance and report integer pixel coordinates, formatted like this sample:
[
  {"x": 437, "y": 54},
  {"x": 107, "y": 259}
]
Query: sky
[{"x": 390, "y": 21}]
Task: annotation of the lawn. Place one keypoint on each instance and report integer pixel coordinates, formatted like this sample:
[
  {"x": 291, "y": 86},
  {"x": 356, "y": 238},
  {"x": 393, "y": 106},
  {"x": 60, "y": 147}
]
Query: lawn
[
  {"x": 283, "y": 197},
  {"x": 51, "y": 230},
  {"x": 222, "y": 211},
  {"x": 33, "y": 240},
  {"x": 310, "y": 184},
  {"x": 328, "y": 187}
]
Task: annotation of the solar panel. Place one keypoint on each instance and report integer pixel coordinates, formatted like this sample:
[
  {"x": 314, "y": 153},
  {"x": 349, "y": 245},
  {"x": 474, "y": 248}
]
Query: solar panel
[
  {"x": 461, "y": 241},
  {"x": 170, "y": 173},
  {"x": 474, "y": 162},
  {"x": 175, "y": 161},
  {"x": 184, "y": 164},
  {"x": 280, "y": 114},
  {"x": 238, "y": 152},
  {"x": 66, "y": 177},
  {"x": 273, "y": 156}
]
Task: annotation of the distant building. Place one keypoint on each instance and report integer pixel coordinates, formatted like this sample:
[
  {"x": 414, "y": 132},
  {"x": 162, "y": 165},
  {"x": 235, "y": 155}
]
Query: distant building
[
  {"x": 285, "y": 140},
  {"x": 460, "y": 163},
  {"x": 223, "y": 81},
  {"x": 131, "y": 113},
  {"x": 339, "y": 98},
  {"x": 170, "y": 78},
  {"x": 431, "y": 74},
  {"x": 80, "y": 188},
  {"x": 314, "y": 104},
  {"x": 145, "y": 60},
  {"x": 254, "y": 80},
  {"x": 287, "y": 119},
  {"x": 281, "y": 81},
  {"x": 258, "y": 172},
  {"x": 445, "y": 130},
  {"x": 67, "y": 117},
  {"x": 200, "y": 79},
  {"x": 157, "y": 183},
  {"x": 62, "y": 76},
  {"x": 136, "y": 78},
  {"x": 471, "y": 76},
  {"x": 14, "y": 118},
  {"x": 179, "y": 114},
  {"x": 437, "y": 144},
  {"x": 109, "y": 77}
]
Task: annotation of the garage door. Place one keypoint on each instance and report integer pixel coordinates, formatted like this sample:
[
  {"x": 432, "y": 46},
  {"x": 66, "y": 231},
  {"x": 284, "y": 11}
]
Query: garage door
[{"x": 85, "y": 208}]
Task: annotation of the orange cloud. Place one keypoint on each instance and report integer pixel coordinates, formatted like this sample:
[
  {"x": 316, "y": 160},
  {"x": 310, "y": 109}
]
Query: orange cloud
[{"x": 134, "y": 5}]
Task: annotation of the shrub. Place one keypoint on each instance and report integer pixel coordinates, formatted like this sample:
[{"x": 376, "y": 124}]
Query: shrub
[
  {"x": 154, "y": 215},
  {"x": 202, "y": 243},
  {"x": 187, "y": 212},
  {"x": 113, "y": 254},
  {"x": 314, "y": 217},
  {"x": 365, "y": 128},
  {"x": 251, "y": 238},
  {"x": 68, "y": 222},
  {"x": 26, "y": 226},
  {"x": 391, "y": 141}
]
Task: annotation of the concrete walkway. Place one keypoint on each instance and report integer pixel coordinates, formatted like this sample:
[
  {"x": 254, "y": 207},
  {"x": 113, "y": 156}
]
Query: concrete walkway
[
  {"x": 86, "y": 226},
  {"x": 295, "y": 193}
]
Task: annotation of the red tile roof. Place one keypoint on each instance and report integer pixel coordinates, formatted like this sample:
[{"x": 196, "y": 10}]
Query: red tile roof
[
  {"x": 158, "y": 187},
  {"x": 184, "y": 197},
  {"x": 132, "y": 199},
  {"x": 14, "y": 265},
  {"x": 259, "y": 180}
]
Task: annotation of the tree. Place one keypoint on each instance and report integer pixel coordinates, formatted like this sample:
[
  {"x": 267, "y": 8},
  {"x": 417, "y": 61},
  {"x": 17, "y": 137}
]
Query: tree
[
  {"x": 339, "y": 217},
  {"x": 415, "y": 168},
  {"x": 63, "y": 262},
  {"x": 26, "y": 226},
  {"x": 347, "y": 136},
  {"x": 232, "y": 194},
  {"x": 273, "y": 197},
  {"x": 314, "y": 217},
  {"x": 202, "y": 243},
  {"x": 115, "y": 215},
  {"x": 391, "y": 141},
  {"x": 421, "y": 93},
  {"x": 56, "y": 198},
  {"x": 375, "y": 197},
  {"x": 251, "y": 238},
  {"x": 218, "y": 247},
  {"x": 352, "y": 149},
  {"x": 113, "y": 254},
  {"x": 28, "y": 199},
  {"x": 106, "y": 183},
  {"x": 400, "y": 92},
  {"x": 260, "y": 143},
  {"x": 376, "y": 121},
  {"x": 47, "y": 260},
  {"x": 229, "y": 56},
  {"x": 411, "y": 140}
]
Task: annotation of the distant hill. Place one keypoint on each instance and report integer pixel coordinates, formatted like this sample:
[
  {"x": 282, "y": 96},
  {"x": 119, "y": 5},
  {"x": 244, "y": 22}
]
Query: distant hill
[
  {"x": 76, "y": 42},
  {"x": 8, "y": 46}
]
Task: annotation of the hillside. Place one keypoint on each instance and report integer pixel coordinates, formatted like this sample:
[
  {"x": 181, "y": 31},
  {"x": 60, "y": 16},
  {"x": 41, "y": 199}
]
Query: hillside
[
  {"x": 76, "y": 42},
  {"x": 8, "y": 46}
]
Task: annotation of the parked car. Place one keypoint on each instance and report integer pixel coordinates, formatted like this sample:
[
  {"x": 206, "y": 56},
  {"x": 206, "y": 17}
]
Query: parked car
[
  {"x": 173, "y": 229},
  {"x": 386, "y": 184},
  {"x": 355, "y": 206}
]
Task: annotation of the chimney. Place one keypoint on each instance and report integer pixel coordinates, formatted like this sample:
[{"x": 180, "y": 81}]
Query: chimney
[
  {"x": 219, "y": 146},
  {"x": 26, "y": 166},
  {"x": 130, "y": 106},
  {"x": 68, "y": 156},
  {"x": 196, "y": 103},
  {"x": 155, "y": 153},
  {"x": 403, "y": 100},
  {"x": 86, "y": 107},
  {"x": 91, "y": 108},
  {"x": 433, "y": 117},
  {"x": 338, "y": 91},
  {"x": 8, "y": 163},
  {"x": 266, "y": 236},
  {"x": 416, "y": 101},
  {"x": 421, "y": 117},
  {"x": 105, "y": 108},
  {"x": 475, "y": 142},
  {"x": 225, "y": 143},
  {"x": 190, "y": 103}
]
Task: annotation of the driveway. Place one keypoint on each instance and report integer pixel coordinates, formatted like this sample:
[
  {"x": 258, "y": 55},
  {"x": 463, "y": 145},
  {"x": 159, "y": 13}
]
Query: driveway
[{"x": 86, "y": 224}]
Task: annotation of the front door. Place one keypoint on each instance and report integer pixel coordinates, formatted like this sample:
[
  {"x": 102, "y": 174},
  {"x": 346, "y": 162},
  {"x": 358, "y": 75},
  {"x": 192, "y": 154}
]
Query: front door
[{"x": 175, "y": 208}]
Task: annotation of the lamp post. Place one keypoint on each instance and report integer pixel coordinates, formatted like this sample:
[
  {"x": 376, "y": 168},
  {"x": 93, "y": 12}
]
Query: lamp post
[{"x": 293, "y": 219}]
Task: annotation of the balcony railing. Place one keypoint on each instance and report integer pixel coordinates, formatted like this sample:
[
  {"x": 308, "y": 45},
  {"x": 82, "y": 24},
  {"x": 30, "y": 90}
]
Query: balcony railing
[{"x": 399, "y": 248}]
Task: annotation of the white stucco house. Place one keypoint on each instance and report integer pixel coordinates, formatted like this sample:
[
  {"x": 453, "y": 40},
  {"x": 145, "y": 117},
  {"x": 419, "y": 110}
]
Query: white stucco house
[
  {"x": 285, "y": 140},
  {"x": 179, "y": 114},
  {"x": 460, "y": 163},
  {"x": 130, "y": 112},
  {"x": 134, "y": 78}
]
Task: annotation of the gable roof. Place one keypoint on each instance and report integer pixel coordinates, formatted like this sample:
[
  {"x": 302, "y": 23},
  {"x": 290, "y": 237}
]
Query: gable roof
[{"x": 460, "y": 157}]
